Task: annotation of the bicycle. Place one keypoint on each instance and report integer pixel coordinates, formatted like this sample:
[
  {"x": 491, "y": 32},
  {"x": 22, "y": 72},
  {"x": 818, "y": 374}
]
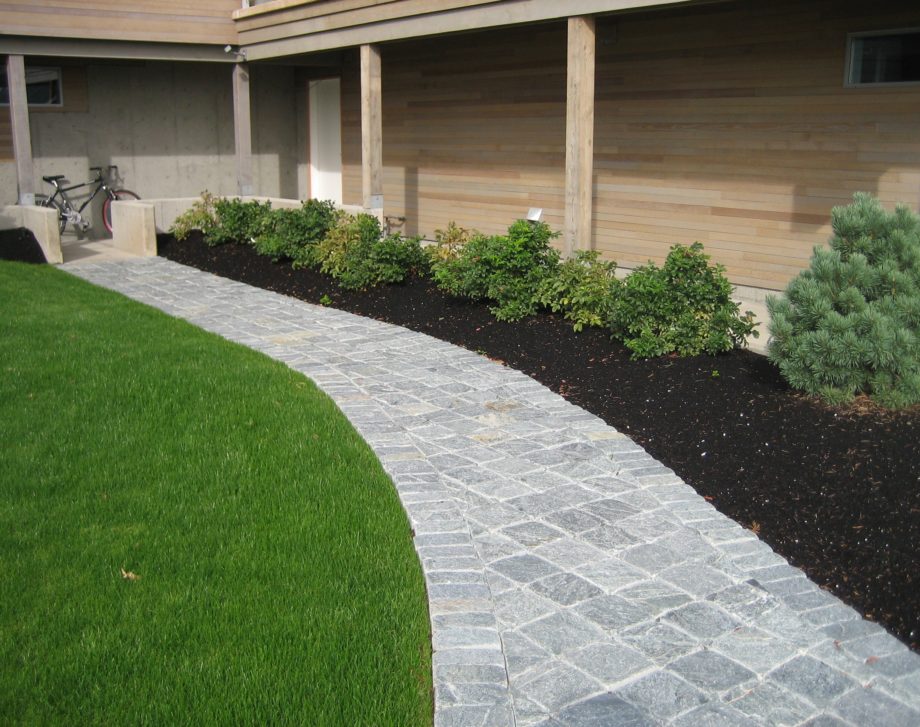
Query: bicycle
[{"x": 68, "y": 212}]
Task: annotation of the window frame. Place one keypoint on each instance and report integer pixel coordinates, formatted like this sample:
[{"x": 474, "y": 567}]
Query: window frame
[
  {"x": 850, "y": 59},
  {"x": 60, "y": 80}
]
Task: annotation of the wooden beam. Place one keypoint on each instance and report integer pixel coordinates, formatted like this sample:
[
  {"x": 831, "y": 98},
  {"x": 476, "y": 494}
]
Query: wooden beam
[
  {"x": 242, "y": 129},
  {"x": 291, "y": 39},
  {"x": 371, "y": 128},
  {"x": 579, "y": 135},
  {"x": 19, "y": 121},
  {"x": 129, "y": 50}
]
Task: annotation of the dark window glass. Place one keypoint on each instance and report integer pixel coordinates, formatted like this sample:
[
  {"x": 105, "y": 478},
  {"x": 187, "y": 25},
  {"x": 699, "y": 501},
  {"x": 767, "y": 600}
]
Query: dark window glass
[
  {"x": 893, "y": 58},
  {"x": 43, "y": 87}
]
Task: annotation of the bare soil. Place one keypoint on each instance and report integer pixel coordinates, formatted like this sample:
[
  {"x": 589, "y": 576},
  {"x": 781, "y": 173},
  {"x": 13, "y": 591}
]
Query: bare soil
[{"x": 20, "y": 245}]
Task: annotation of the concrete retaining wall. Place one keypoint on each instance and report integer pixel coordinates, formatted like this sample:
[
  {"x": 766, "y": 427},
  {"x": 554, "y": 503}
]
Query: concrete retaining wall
[
  {"x": 169, "y": 128},
  {"x": 133, "y": 228},
  {"x": 42, "y": 222},
  {"x": 167, "y": 209}
]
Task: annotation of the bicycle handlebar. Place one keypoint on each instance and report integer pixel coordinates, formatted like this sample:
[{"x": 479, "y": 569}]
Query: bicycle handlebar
[{"x": 108, "y": 170}]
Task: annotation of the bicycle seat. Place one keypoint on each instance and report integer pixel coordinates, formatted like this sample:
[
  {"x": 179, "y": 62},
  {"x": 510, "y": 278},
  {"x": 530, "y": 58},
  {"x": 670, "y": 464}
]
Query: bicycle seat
[{"x": 52, "y": 179}]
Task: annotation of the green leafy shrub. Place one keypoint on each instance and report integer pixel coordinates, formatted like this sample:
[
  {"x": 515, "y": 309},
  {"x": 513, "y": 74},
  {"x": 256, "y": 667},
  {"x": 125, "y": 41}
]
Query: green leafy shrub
[
  {"x": 395, "y": 256},
  {"x": 201, "y": 216},
  {"x": 349, "y": 239},
  {"x": 237, "y": 221},
  {"x": 583, "y": 289},
  {"x": 221, "y": 220},
  {"x": 355, "y": 255},
  {"x": 294, "y": 233},
  {"x": 449, "y": 242},
  {"x": 850, "y": 324},
  {"x": 504, "y": 269},
  {"x": 684, "y": 307}
]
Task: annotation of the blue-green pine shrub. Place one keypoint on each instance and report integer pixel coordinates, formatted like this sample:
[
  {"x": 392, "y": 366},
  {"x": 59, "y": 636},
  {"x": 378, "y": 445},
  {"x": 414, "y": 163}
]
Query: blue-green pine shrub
[
  {"x": 850, "y": 323},
  {"x": 505, "y": 270},
  {"x": 683, "y": 307}
]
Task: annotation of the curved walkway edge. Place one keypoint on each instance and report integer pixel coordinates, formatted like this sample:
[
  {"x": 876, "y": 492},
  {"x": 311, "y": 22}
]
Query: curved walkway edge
[{"x": 572, "y": 579}]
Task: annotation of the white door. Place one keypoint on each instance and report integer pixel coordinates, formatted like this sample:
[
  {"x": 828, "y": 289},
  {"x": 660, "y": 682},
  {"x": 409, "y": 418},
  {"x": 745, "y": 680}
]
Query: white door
[{"x": 325, "y": 140}]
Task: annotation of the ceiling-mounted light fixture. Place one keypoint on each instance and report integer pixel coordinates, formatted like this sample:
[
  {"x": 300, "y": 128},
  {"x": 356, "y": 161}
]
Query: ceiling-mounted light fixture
[{"x": 240, "y": 53}]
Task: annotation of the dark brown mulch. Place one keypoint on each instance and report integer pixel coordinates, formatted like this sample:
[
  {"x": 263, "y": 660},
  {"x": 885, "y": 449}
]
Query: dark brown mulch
[
  {"x": 835, "y": 491},
  {"x": 20, "y": 245}
]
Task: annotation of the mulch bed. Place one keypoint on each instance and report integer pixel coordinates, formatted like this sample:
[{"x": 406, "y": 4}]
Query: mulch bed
[
  {"x": 836, "y": 491},
  {"x": 20, "y": 245}
]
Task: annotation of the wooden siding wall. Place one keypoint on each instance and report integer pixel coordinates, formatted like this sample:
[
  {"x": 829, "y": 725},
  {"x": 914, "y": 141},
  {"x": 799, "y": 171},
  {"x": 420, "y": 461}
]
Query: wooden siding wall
[
  {"x": 170, "y": 21},
  {"x": 290, "y": 27},
  {"x": 474, "y": 128},
  {"x": 271, "y": 21},
  {"x": 728, "y": 124},
  {"x": 731, "y": 125}
]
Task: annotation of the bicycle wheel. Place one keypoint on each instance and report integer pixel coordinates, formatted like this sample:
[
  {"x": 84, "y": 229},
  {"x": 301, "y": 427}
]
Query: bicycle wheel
[
  {"x": 43, "y": 201},
  {"x": 120, "y": 194}
]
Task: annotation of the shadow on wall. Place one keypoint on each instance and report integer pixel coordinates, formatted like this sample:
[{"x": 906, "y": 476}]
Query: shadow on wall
[
  {"x": 169, "y": 129},
  {"x": 706, "y": 127}
]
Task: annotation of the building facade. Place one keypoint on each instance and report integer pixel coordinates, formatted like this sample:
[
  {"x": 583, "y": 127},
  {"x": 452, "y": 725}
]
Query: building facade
[{"x": 633, "y": 125}]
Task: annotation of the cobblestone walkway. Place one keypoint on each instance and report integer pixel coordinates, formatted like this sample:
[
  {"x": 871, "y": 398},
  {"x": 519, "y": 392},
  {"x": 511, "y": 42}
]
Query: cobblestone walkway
[{"x": 572, "y": 579}]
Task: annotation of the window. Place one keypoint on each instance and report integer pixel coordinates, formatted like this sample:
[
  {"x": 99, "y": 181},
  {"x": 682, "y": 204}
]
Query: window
[
  {"x": 891, "y": 56},
  {"x": 43, "y": 87}
]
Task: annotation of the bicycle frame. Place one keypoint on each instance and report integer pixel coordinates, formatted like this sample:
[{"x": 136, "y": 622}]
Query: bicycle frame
[
  {"x": 62, "y": 191},
  {"x": 70, "y": 211}
]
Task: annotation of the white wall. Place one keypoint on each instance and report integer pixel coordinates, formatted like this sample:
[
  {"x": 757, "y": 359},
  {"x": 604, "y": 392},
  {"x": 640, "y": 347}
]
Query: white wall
[
  {"x": 325, "y": 139},
  {"x": 169, "y": 128}
]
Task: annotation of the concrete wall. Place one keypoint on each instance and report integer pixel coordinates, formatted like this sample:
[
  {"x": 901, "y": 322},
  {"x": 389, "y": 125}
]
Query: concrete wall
[
  {"x": 169, "y": 128},
  {"x": 167, "y": 209},
  {"x": 7, "y": 183},
  {"x": 41, "y": 221}
]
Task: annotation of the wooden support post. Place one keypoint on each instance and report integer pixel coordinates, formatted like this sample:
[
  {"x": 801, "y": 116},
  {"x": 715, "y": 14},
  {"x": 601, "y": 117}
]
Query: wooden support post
[
  {"x": 579, "y": 136},
  {"x": 371, "y": 128},
  {"x": 22, "y": 136},
  {"x": 242, "y": 129}
]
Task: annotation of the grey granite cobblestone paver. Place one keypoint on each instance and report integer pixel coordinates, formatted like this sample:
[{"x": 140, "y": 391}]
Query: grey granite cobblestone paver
[{"x": 572, "y": 579}]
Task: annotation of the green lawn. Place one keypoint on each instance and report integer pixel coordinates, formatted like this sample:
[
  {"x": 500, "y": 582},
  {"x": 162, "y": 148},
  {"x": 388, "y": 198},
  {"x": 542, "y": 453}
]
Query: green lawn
[{"x": 276, "y": 580}]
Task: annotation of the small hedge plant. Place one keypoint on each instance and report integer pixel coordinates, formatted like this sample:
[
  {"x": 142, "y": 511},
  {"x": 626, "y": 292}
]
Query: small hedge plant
[
  {"x": 278, "y": 233},
  {"x": 684, "y": 307},
  {"x": 355, "y": 253},
  {"x": 506, "y": 270},
  {"x": 449, "y": 242},
  {"x": 221, "y": 220},
  {"x": 238, "y": 221},
  {"x": 850, "y": 323},
  {"x": 293, "y": 234},
  {"x": 200, "y": 216},
  {"x": 583, "y": 290}
]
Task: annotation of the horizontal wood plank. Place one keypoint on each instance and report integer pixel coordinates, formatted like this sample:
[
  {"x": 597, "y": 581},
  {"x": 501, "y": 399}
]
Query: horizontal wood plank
[
  {"x": 728, "y": 124},
  {"x": 172, "y": 21}
]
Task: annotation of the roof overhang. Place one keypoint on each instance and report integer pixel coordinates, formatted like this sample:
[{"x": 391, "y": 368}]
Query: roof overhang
[
  {"x": 274, "y": 29},
  {"x": 113, "y": 49}
]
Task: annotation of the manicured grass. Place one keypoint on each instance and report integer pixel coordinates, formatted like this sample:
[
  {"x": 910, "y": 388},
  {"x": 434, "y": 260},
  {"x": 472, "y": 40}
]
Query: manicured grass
[{"x": 276, "y": 578}]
